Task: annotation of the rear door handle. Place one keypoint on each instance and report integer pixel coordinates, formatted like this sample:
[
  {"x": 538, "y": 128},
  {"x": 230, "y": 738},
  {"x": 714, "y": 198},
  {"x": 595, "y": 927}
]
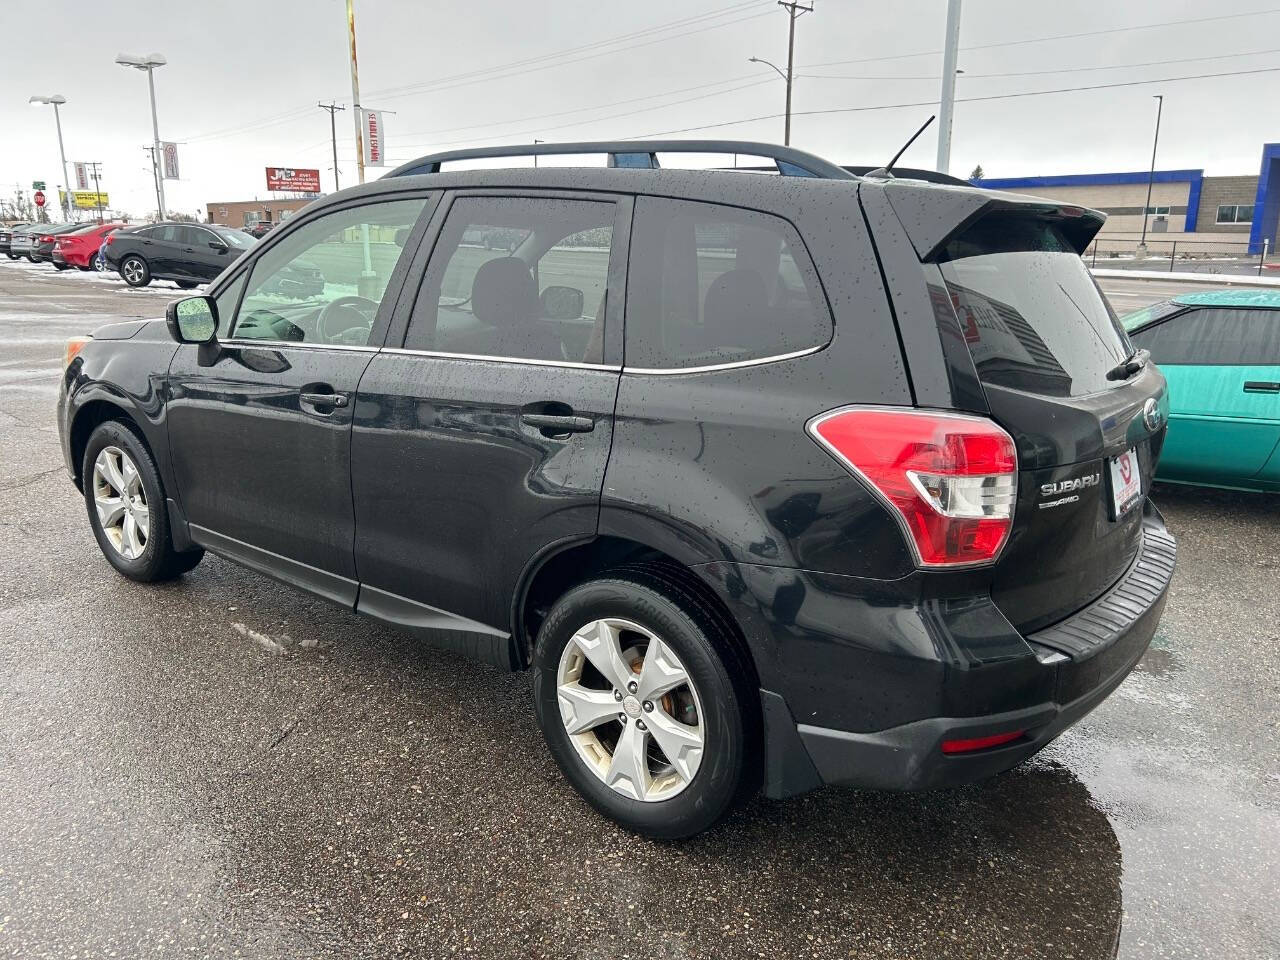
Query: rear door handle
[
  {"x": 550, "y": 423},
  {"x": 1261, "y": 386},
  {"x": 324, "y": 399}
]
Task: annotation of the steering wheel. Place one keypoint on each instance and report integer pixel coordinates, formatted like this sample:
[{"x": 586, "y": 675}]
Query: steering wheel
[{"x": 332, "y": 325}]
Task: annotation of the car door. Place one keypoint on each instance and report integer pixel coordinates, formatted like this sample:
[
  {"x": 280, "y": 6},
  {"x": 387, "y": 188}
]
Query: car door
[
  {"x": 481, "y": 437},
  {"x": 197, "y": 260},
  {"x": 260, "y": 423},
  {"x": 1223, "y": 368}
]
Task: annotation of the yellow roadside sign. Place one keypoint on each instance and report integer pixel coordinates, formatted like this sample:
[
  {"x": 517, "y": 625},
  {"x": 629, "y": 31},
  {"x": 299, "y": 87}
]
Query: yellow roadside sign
[{"x": 88, "y": 200}]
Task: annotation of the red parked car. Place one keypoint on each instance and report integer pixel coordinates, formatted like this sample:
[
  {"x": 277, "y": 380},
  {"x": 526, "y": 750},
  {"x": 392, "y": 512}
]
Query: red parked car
[{"x": 77, "y": 249}]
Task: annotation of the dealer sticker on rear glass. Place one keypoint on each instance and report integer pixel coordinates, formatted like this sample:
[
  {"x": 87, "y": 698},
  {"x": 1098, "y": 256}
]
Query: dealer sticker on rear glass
[{"x": 1126, "y": 482}]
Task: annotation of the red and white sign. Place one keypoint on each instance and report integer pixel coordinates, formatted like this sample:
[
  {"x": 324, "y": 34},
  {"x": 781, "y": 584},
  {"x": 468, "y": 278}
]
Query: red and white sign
[
  {"x": 374, "y": 137},
  {"x": 82, "y": 176},
  {"x": 38, "y": 198},
  {"x": 293, "y": 180},
  {"x": 1126, "y": 481}
]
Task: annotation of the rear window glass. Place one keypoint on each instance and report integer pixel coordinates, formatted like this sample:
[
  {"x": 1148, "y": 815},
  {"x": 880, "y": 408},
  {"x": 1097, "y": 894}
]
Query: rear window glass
[
  {"x": 1215, "y": 337},
  {"x": 710, "y": 284},
  {"x": 1140, "y": 318},
  {"x": 1030, "y": 312}
]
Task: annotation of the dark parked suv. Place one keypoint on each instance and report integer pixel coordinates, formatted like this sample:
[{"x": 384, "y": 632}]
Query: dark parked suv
[
  {"x": 771, "y": 481},
  {"x": 187, "y": 253}
]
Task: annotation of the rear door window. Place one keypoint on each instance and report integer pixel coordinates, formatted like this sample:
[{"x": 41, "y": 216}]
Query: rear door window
[
  {"x": 1033, "y": 317},
  {"x": 710, "y": 284},
  {"x": 1215, "y": 337}
]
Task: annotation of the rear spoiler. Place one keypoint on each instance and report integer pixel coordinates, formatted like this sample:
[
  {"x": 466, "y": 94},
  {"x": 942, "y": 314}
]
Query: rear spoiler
[{"x": 932, "y": 215}]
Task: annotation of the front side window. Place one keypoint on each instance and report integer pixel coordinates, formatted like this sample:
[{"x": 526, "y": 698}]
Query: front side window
[
  {"x": 517, "y": 278},
  {"x": 1221, "y": 337},
  {"x": 323, "y": 283},
  {"x": 710, "y": 284}
]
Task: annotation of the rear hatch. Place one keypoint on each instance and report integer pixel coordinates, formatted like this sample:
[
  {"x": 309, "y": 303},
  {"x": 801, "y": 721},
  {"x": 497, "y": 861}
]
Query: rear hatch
[{"x": 1051, "y": 357}]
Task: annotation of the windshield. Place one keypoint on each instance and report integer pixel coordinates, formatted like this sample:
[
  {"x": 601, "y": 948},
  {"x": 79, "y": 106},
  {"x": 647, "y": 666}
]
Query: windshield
[
  {"x": 1031, "y": 314},
  {"x": 236, "y": 238}
]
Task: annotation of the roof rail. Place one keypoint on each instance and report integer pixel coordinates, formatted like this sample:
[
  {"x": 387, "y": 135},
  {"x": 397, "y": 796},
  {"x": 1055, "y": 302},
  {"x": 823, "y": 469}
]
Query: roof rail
[{"x": 640, "y": 154}]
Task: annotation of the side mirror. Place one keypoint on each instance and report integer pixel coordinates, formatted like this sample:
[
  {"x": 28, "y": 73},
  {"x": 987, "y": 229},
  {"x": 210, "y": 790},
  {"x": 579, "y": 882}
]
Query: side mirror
[
  {"x": 192, "y": 320},
  {"x": 217, "y": 246},
  {"x": 561, "y": 303}
]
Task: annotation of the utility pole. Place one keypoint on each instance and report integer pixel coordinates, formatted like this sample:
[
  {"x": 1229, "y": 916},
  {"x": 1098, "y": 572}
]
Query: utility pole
[
  {"x": 155, "y": 174},
  {"x": 333, "y": 109},
  {"x": 794, "y": 10},
  {"x": 1142, "y": 244},
  {"x": 947, "y": 106}
]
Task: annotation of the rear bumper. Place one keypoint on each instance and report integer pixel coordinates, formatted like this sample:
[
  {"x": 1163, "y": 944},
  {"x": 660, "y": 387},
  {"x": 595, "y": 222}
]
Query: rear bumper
[{"x": 1038, "y": 684}]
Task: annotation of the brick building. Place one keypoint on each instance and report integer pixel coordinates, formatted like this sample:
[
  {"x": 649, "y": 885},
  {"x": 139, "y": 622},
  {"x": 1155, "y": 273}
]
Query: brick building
[{"x": 245, "y": 213}]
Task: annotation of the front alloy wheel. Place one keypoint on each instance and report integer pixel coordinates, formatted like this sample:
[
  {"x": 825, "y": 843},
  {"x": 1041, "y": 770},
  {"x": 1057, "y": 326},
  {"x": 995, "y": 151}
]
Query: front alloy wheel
[
  {"x": 121, "y": 502},
  {"x": 630, "y": 709}
]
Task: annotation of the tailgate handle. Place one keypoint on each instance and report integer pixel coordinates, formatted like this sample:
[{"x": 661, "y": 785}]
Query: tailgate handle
[{"x": 1261, "y": 386}]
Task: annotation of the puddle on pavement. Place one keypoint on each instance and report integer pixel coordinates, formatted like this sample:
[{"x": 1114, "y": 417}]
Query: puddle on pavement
[{"x": 1158, "y": 662}]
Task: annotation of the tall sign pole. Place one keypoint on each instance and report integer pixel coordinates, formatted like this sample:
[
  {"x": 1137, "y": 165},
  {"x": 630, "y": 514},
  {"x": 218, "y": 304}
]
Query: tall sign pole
[
  {"x": 356, "y": 113},
  {"x": 947, "y": 106}
]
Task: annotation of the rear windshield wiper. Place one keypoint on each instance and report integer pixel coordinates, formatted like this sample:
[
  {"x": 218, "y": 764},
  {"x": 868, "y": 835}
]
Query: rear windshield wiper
[{"x": 1128, "y": 367}]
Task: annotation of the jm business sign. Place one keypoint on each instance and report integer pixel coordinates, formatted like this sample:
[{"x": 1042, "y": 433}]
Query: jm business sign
[{"x": 293, "y": 180}]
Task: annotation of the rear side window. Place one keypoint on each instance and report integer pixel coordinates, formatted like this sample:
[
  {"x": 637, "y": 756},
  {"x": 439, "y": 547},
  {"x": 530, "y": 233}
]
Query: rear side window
[
  {"x": 710, "y": 284},
  {"x": 1030, "y": 312},
  {"x": 1215, "y": 337}
]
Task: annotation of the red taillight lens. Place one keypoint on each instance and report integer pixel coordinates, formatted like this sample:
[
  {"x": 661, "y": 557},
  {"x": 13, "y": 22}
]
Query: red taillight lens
[
  {"x": 46, "y": 239},
  {"x": 951, "y": 478},
  {"x": 980, "y": 743}
]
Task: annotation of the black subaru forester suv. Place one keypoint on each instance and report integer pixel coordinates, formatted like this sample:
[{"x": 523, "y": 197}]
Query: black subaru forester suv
[{"x": 772, "y": 481}]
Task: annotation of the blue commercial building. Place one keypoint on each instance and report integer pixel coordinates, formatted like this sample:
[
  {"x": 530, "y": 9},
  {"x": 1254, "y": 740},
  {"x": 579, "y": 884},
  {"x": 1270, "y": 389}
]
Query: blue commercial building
[{"x": 1229, "y": 211}]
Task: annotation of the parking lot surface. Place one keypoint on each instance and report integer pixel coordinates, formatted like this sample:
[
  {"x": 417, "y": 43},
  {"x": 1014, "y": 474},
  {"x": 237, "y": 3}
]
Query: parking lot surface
[{"x": 223, "y": 767}]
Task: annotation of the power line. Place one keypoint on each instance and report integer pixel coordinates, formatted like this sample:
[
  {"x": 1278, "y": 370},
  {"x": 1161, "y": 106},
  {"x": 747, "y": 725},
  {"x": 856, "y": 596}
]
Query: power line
[
  {"x": 1061, "y": 36},
  {"x": 933, "y": 102},
  {"x": 508, "y": 70},
  {"x": 569, "y": 51},
  {"x": 1036, "y": 73},
  {"x": 436, "y": 86},
  {"x": 599, "y": 106}
]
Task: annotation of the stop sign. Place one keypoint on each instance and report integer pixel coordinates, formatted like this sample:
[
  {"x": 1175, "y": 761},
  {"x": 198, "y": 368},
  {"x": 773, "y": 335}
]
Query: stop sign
[{"x": 39, "y": 198}]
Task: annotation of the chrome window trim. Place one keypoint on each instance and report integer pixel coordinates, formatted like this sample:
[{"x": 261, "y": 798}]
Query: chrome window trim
[
  {"x": 570, "y": 364},
  {"x": 253, "y": 342},
  {"x": 734, "y": 365}
]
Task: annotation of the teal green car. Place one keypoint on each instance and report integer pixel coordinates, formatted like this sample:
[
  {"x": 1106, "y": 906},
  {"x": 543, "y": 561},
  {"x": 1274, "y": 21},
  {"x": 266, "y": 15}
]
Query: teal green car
[{"x": 1220, "y": 352}]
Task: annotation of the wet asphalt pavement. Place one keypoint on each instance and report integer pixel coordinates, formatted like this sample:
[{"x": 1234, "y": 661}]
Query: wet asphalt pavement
[{"x": 222, "y": 767}]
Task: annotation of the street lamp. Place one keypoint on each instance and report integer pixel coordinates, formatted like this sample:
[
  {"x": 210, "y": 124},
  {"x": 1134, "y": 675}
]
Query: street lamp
[
  {"x": 787, "y": 80},
  {"x": 149, "y": 64},
  {"x": 57, "y": 100}
]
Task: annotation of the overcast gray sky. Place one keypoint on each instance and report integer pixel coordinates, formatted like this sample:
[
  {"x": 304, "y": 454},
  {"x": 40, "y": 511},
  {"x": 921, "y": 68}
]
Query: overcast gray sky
[{"x": 240, "y": 90}]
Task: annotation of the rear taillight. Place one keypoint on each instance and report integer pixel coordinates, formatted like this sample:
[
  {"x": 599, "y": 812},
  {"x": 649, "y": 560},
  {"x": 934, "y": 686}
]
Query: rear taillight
[
  {"x": 981, "y": 743},
  {"x": 951, "y": 479},
  {"x": 46, "y": 239}
]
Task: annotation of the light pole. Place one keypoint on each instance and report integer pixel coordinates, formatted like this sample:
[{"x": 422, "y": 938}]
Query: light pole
[
  {"x": 947, "y": 100},
  {"x": 57, "y": 100},
  {"x": 1142, "y": 244},
  {"x": 149, "y": 64},
  {"x": 778, "y": 70}
]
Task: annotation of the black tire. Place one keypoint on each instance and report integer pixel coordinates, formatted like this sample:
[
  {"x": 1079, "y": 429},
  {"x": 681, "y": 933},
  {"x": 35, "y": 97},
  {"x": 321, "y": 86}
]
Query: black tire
[
  {"x": 60, "y": 266},
  {"x": 30, "y": 258},
  {"x": 142, "y": 276},
  {"x": 158, "y": 560},
  {"x": 84, "y": 269},
  {"x": 12, "y": 256},
  {"x": 656, "y": 600},
  {"x": 187, "y": 284}
]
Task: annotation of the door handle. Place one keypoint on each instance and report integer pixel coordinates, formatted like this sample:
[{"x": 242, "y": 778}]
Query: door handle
[
  {"x": 552, "y": 424},
  {"x": 1261, "y": 386},
  {"x": 324, "y": 399}
]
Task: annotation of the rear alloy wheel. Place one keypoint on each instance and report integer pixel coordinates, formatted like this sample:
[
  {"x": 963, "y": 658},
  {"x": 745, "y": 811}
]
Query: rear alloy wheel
[
  {"x": 135, "y": 271},
  {"x": 642, "y": 703}
]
